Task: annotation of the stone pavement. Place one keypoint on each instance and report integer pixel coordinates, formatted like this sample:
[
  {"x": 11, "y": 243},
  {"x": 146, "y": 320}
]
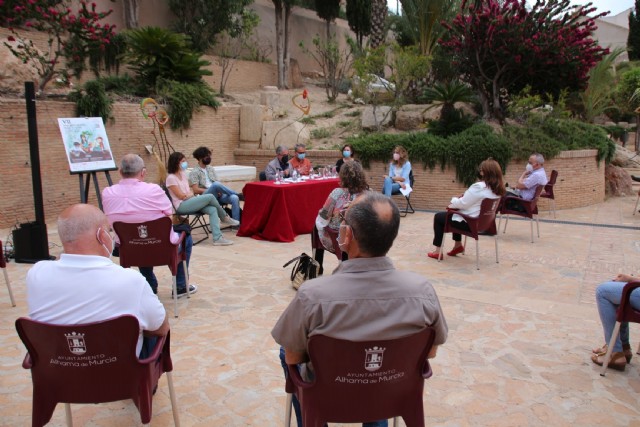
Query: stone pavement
[{"x": 517, "y": 355}]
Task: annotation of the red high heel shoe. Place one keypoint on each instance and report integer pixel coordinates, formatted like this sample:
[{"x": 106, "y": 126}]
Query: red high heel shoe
[{"x": 456, "y": 251}]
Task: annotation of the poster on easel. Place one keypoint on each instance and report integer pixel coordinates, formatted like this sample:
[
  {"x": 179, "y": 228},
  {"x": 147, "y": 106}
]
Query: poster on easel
[{"x": 86, "y": 144}]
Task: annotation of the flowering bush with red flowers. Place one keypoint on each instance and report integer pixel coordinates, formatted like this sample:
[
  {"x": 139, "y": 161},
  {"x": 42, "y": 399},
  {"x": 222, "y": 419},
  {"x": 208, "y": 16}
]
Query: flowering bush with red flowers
[
  {"x": 501, "y": 47},
  {"x": 71, "y": 35}
]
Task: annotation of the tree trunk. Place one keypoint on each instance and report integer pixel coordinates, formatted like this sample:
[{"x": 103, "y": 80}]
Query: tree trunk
[
  {"x": 378, "y": 17},
  {"x": 130, "y": 11},
  {"x": 287, "y": 53},
  {"x": 279, "y": 42}
]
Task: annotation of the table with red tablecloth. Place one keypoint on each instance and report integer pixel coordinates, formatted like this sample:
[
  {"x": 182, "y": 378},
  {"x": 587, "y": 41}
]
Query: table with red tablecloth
[{"x": 280, "y": 212}]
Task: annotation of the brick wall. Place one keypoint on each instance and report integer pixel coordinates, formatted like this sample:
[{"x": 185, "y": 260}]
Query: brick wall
[
  {"x": 129, "y": 133},
  {"x": 580, "y": 179}
]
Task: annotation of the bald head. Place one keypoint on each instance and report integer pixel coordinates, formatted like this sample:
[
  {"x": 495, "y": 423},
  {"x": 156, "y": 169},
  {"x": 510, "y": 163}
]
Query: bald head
[
  {"x": 375, "y": 220},
  {"x": 131, "y": 166},
  {"x": 78, "y": 226}
]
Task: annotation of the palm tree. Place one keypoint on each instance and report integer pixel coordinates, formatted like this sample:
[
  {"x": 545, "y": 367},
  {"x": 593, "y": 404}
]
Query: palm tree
[
  {"x": 446, "y": 95},
  {"x": 379, "y": 12},
  {"x": 596, "y": 98},
  {"x": 424, "y": 18}
]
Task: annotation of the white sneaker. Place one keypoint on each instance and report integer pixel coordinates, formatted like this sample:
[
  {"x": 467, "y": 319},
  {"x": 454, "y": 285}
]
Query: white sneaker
[
  {"x": 228, "y": 220},
  {"x": 222, "y": 242}
]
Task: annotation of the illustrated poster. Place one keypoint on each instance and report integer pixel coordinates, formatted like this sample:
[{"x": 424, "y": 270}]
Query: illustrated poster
[{"x": 86, "y": 144}]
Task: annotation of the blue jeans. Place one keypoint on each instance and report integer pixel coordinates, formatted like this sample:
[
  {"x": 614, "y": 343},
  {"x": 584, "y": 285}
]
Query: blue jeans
[
  {"x": 608, "y": 297},
  {"x": 181, "y": 282},
  {"x": 207, "y": 204},
  {"x": 389, "y": 187},
  {"x": 225, "y": 196},
  {"x": 296, "y": 404}
]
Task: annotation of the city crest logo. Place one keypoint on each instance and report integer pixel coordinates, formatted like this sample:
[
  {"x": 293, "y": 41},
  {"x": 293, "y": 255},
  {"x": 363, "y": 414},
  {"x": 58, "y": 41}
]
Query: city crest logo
[
  {"x": 142, "y": 232},
  {"x": 373, "y": 358},
  {"x": 76, "y": 343}
]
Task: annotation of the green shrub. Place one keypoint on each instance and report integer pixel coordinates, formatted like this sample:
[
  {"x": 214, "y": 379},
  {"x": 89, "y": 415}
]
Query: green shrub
[
  {"x": 92, "y": 100},
  {"x": 344, "y": 123},
  {"x": 469, "y": 148},
  {"x": 307, "y": 121},
  {"x": 122, "y": 85},
  {"x": 354, "y": 113},
  {"x": 450, "y": 123},
  {"x": 320, "y": 133},
  {"x": 530, "y": 139},
  {"x": 184, "y": 99}
]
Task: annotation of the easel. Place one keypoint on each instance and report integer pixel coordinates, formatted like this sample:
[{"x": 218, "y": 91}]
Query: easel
[{"x": 84, "y": 184}]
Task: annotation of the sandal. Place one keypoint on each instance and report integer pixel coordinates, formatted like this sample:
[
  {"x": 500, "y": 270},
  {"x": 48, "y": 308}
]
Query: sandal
[{"x": 618, "y": 361}]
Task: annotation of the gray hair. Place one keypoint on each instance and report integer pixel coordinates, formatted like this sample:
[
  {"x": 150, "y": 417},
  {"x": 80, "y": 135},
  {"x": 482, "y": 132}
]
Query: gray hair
[
  {"x": 280, "y": 149},
  {"x": 78, "y": 222},
  {"x": 539, "y": 158},
  {"x": 131, "y": 165},
  {"x": 300, "y": 145},
  {"x": 372, "y": 227}
]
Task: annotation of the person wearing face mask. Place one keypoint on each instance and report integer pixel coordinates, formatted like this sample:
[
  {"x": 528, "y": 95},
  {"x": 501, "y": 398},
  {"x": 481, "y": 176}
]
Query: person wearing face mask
[
  {"x": 365, "y": 298},
  {"x": 85, "y": 286},
  {"x": 490, "y": 185},
  {"x": 187, "y": 203},
  {"x": 533, "y": 176},
  {"x": 203, "y": 180},
  {"x": 300, "y": 162},
  {"x": 279, "y": 164},
  {"x": 134, "y": 201},
  {"x": 347, "y": 156},
  {"x": 399, "y": 171}
]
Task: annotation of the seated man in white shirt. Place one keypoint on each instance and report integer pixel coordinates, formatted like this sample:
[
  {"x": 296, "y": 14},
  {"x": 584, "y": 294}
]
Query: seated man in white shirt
[
  {"x": 86, "y": 286},
  {"x": 533, "y": 176}
]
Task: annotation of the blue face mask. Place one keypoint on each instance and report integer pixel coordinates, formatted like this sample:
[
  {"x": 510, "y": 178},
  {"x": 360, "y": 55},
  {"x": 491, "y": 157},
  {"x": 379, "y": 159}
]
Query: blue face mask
[
  {"x": 346, "y": 153},
  {"x": 301, "y": 156},
  {"x": 184, "y": 165}
]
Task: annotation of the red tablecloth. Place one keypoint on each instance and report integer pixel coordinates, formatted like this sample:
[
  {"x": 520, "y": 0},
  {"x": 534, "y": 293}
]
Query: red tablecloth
[{"x": 280, "y": 212}]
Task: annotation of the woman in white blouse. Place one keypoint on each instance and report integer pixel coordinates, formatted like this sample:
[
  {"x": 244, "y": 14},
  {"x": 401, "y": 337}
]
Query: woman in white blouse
[
  {"x": 186, "y": 203},
  {"x": 489, "y": 186}
]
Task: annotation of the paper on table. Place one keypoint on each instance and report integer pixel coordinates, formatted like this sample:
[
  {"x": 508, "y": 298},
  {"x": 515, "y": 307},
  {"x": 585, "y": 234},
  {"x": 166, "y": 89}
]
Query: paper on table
[{"x": 405, "y": 191}]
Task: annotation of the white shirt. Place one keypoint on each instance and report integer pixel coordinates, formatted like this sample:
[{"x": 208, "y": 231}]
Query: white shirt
[
  {"x": 469, "y": 203},
  {"x": 90, "y": 288}
]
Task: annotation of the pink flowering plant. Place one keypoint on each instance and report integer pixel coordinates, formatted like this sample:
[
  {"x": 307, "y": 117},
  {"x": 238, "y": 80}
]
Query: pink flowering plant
[
  {"x": 71, "y": 36},
  {"x": 501, "y": 47}
]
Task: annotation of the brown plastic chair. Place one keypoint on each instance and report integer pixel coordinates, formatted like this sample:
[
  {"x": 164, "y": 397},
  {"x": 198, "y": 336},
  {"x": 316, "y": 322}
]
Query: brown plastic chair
[
  {"x": 548, "y": 191},
  {"x": 482, "y": 225},
  {"x": 92, "y": 363},
  {"x": 3, "y": 266},
  {"x": 363, "y": 381},
  {"x": 625, "y": 313},
  {"x": 530, "y": 210},
  {"x": 148, "y": 244}
]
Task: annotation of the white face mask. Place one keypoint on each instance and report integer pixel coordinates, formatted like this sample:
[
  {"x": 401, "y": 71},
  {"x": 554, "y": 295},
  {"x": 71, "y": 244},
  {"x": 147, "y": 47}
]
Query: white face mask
[
  {"x": 396, "y": 156},
  {"x": 113, "y": 242},
  {"x": 529, "y": 167}
]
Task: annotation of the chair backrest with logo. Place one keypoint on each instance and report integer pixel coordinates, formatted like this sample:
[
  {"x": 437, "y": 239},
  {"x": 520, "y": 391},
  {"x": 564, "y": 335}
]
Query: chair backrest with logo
[
  {"x": 90, "y": 363},
  {"x": 365, "y": 381}
]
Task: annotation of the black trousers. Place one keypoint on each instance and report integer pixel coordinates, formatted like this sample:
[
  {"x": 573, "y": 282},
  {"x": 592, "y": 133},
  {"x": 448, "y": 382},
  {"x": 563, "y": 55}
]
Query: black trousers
[{"x": 438, "y": 228}]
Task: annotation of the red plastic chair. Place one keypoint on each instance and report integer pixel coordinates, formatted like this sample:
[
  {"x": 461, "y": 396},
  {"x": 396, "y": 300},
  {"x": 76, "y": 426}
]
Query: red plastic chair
[
  {"x": 92, "y": 363},
  {"x": 148, "y": 244},
  {"x": 3, "y": 266},
  {"x": 484, "y": 224},
  {"x": 530, "y": 210},
  {"x": 548, "y": 191},
  {"x": 363, "y": 381},
  {"x": 625, "y": 313}
]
